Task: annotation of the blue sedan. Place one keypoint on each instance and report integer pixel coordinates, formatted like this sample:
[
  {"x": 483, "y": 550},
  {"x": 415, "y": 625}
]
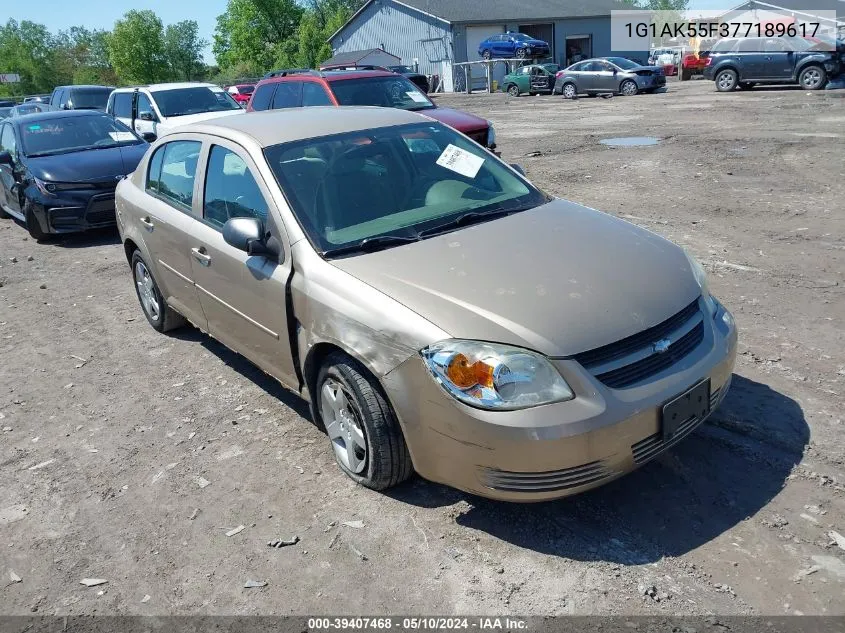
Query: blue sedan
[{"x": 513, "y": 45}]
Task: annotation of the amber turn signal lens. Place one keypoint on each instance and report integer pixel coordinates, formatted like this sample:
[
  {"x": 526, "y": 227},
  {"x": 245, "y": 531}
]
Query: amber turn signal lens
[{"x": 465, "y": 375}]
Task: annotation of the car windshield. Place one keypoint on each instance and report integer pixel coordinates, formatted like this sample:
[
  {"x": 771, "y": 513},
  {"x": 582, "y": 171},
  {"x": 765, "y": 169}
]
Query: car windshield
[
  {"x": 47, "y": 137},
  {"x": 95, "y": 98},
  {"x": 246, "y": 90},
  {"x": 521, "y": 37},
  {"x": 184, "y": 101},
  {"x": 30, "y": 108},
  {"x": 352, "y": 192},
  {"x": 623, "y": 63},
  {"x": 386, "y": 92},
  {"x": 401, "y": 69}
]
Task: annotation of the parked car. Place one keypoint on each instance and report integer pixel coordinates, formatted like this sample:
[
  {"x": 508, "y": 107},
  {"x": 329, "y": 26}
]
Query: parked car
[
  {"x": 748, "y": 61},
  {"x": 295, "y": 88},
  {"x": 531, "y": 79},
  {"x": 608, "y": 75},
  {"x": 513, "y": 46},
  {"x": 59, "y": 169},
  {"x": 80, "y": 97},
  {"x": 30, "y": 107},
  {"x": 374, "y": 263},
  {"x": 7, "y": 104},
  {"x": 155, "y": 110},
  {"x": 420, "y": 80},
  {"x": 241, "y": 93}
]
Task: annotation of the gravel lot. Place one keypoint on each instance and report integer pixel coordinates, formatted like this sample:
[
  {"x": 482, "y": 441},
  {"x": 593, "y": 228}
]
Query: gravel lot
[{"x": 126, "y": 455}]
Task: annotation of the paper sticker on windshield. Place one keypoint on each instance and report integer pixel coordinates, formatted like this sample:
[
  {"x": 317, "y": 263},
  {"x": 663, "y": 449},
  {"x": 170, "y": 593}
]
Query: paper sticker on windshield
[
  {"x": 122, "y": 136},
  {"x": 416, "y": 96},
  {"x": 33, "y": 128},
  {"x": 460, "y": 161}
]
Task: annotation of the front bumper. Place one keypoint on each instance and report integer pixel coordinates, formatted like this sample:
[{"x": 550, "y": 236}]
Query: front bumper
[
  {"x": 555, "y": 450},
  {"x": 73, "y": 215}
]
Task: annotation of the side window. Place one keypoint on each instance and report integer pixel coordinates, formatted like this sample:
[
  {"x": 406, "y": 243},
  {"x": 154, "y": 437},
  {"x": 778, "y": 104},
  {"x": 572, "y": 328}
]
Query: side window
[
  {"x": 154, "y": 170},
  {"x": 7, "y": 140},
  {"x": 230, "y": 189},
  {"x": 288, "y": 95},
  {"x": 313, "y": 94},
  {"x": 144, "y": 104},
  {"x": 263, "y": 96},
  {"x": 524, "y": 70},
  {"x": 749, "y": 45},
  {"x": 776, "y": 45},
  {"x": 122, "y": 104},
  {"x": 178, "y": 170}
]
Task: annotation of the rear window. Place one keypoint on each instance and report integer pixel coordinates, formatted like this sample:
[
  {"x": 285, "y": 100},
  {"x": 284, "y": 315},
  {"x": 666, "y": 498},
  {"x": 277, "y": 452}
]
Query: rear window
[
  {"x": 263, "y": 96},
  {"x": 288, "y": 95},
  {"x": 90, "y": 97}
]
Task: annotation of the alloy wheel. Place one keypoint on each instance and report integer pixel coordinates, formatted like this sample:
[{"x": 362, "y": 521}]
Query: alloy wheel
[
  {"x": 811, "y": 78},
  {"x": 569, "y": 91},
  {"x": 147, "y": 292},
  {"x": 340, "y": 417}
]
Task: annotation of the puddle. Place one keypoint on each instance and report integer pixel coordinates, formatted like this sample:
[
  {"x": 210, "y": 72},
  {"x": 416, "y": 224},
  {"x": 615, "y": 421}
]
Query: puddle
[{"x": 630, "y": 141}]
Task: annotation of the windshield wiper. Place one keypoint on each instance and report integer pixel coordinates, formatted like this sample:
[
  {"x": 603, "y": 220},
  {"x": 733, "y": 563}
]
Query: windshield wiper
[
  {"x": 471, "y": 217},
  {"x": 371, "y": 244}
]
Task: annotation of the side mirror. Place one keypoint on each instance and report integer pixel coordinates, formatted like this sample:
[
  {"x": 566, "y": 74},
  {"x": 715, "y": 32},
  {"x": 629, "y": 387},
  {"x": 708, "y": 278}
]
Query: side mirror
[
  {"x": 247, "y": 234},
  {"x": 6, "y": 158},
  {"x": 518, "y": 168},
  {"x": 146, "y": 116},
  {"x": 149, "y": 137}
]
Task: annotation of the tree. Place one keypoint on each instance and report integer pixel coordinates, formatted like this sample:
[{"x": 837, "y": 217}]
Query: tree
[
  {"x": 136, "y": 48},
  {"x": 27, "y": 48},
  {"x": 183, "y": 48},
  {"x": 257, "y": 33}
]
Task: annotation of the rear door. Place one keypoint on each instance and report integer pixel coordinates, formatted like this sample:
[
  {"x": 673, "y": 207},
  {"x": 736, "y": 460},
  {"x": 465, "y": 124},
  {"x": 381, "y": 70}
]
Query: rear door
[
  {"x": 168, "y": 220},
  {"x": 587, "y": 77},
  {"x": 243, "y": 296},
  {"x": 752, "y": 59},
  {"x": 143, "y": 105}
]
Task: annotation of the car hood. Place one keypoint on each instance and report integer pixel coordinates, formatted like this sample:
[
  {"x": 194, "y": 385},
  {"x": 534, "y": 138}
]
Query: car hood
[
  {"x": 179, "y": 121},
  {"x": 89, "y": 166},
  {"x": 560, "y": 279},
  {"x": 463, "y": 121}
]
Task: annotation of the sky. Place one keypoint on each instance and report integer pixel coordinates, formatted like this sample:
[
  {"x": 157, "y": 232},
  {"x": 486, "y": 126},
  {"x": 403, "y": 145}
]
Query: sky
[{"x": 98, "y": 14}]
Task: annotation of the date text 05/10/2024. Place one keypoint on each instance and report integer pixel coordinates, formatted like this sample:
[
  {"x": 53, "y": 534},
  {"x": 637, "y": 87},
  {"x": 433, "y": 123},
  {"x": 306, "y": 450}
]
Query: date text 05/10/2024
[{"x": 428, "y": 623}]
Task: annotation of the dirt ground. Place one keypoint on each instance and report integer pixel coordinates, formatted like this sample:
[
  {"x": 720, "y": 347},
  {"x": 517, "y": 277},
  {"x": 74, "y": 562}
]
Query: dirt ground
[{"x": 127, "y": 455}]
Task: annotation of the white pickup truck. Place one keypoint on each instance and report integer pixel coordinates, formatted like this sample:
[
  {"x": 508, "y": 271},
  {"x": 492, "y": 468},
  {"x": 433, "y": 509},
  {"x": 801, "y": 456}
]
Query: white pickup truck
[{"x": 156, "y": 110}]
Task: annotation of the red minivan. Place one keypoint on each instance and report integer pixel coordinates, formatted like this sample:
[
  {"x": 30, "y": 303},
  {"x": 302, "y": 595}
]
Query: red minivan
[{"x": 303, "y": 88}]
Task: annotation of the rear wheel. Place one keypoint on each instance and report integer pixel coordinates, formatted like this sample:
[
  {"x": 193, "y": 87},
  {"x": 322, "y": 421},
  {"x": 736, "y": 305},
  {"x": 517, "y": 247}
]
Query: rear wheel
[
  {"x": 726, "y": 80},
  {"x": 513, "y": 90},
  {"x": 812, "y": 78},
  {"x": 686, "y": 74},
  {"x": 366, "y": 438},
  {"x": 629, "y": 88},
  {"x": 569, "y": 91},
  {"x": 520, "y": 53},
  {"x": 161, "y": 316},
  {"x": 487, "y": 54}
]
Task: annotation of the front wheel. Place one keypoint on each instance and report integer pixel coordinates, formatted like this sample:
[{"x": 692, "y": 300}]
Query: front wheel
[
  {"x": 812, "y": 78},
  {"x": 160, "y": 315},
  {"x": 726, "y": 80},
  {"x": 629, "y": 88},
  {"x": 365, "y": 435},
  {"x": 33, "y": 226},
  {"x": 513, "y": 90},
  {"x": 487, "y": 54},
  {"x": 521, "y": 54}
]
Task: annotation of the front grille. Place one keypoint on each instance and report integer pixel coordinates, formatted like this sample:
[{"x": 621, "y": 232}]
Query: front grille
[
  {"x": 549, "y": 481},
  {"x": 649, "y": 448},
  {"x": 602, "y": 355},
  {"x": 101, "y": 209},
  {"x": 655, "y": 363}
]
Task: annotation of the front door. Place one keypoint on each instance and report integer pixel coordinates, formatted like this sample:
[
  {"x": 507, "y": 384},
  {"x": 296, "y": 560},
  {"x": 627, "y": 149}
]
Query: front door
[
  {"x": 10, "y": 174},
  {"x": 243, "y": 296},
  {"x": 167, "y": 221},
  {"x": 143, "y": 106},
  {"x": 779, "y": 60}
]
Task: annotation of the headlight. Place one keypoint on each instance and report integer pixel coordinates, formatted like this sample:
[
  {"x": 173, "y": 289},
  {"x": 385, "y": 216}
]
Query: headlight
[
  {"x": 496, "y": 377},
  {"x": 491, "y": 135},
  {"x": 47, "y": 188},
  {"x": 701, "y": 279}
]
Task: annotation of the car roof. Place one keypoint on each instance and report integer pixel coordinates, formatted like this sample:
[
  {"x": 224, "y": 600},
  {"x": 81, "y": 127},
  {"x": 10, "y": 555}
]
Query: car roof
[
  {"x": 56, "y": 114},
  {"x": 272, "y": 127},
  {"x": 170, "y": 86},
  {"x": 73, "y": 86},
  {"x": 330, "y": 75}
]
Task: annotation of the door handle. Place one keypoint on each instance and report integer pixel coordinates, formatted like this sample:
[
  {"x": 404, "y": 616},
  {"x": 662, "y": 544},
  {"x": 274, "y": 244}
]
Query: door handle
[
  {"x": 201, "y": 256},
  {"x": 148, "y": 224}
]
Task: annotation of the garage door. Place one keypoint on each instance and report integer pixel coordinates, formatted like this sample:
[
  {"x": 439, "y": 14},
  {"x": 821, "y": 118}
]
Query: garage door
[{"x": 476, "y": 35}]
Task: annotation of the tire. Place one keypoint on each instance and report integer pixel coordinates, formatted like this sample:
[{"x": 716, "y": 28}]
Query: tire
[
  {"x": 34, "y": 228},
  {"x": 487, "y": 54},
  {"x": 520, "y": 53},
  {"x": 628, "y": 88},
  {"x": 726, "y": 80},
  {"x": 513, "y": 90},
  {"x": 812, "y": 77},
  {"x": 163, "y": 318},
  {"x": 353, "y": 410},
  {"x": 569, "y": 91},
  {"x": 3, "y": 214},
  {"x": 686, "y": 74}
]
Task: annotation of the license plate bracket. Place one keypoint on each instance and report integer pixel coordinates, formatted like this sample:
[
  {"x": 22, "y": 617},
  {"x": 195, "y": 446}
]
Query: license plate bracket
[{"x": 692, "y": 403}]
